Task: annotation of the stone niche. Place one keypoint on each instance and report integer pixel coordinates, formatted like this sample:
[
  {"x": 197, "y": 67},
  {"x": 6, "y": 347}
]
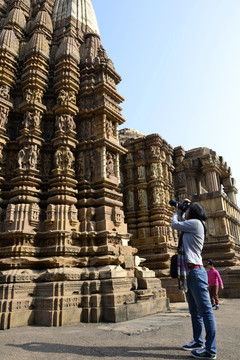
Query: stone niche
[{"x": 64, "y": 246}]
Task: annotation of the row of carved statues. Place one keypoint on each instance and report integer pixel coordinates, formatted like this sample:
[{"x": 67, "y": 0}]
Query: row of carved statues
[{"x": 157, "y": 196}]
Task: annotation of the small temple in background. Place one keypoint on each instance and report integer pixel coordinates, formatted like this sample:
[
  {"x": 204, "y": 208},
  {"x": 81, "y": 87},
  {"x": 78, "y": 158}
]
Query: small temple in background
[
  {"x": 85, "y": 231},
  {"x": 152, "y": 173}
]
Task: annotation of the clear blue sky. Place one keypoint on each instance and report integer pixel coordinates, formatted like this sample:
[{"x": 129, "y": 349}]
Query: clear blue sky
[{"x": 180, "y": 66}]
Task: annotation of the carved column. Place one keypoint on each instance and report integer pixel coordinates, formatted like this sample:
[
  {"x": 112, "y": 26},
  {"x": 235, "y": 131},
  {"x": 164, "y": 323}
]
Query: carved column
[
  {"x": 9, "y": 48},
  {"x": 230, "y": 188},
  {"x": 62, "y": 215},
  {"x": 209, "y": 168}
]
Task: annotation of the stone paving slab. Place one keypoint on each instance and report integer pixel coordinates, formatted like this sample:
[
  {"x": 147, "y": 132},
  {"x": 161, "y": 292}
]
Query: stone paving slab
[{"x": 152, "y": 337}]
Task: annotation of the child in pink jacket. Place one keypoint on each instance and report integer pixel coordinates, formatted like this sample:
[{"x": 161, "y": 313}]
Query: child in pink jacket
[{"x": 214, "y": 279}]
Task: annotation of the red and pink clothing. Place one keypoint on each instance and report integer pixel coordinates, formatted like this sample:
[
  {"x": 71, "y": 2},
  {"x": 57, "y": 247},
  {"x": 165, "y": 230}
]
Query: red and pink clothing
[{"x": 214, "y": 278}]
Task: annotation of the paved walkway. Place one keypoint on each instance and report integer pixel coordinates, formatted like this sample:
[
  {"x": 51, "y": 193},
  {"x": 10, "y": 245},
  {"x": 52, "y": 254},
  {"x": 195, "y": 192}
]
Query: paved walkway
[{"x": 153, "y": 337}]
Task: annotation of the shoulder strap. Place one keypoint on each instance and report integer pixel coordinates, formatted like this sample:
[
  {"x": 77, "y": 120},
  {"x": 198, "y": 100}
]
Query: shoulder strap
[
  {"x": 204, "y": 227},
  {"x": 180, "y": 241}
]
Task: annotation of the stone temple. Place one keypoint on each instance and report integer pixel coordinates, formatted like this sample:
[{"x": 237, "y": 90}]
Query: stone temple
[
  {"x": 82, "y": 205},
  {"x": 64, "y": 247}
]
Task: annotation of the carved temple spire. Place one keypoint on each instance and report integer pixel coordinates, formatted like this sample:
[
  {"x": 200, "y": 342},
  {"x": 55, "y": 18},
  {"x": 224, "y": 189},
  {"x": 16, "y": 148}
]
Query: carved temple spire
[{"x": 62, "y": 230}]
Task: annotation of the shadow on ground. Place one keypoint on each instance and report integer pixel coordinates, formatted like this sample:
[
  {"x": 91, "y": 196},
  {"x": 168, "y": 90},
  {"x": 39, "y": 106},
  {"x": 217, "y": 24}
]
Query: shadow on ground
[{"x": 100, "y": 351}]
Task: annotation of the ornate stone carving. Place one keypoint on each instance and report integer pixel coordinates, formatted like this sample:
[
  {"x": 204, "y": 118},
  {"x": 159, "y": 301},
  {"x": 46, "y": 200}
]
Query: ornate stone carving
[
  {"x": 5, "y": 92},
  {"x": 117, "y": 216},
  {"x": 33, "y": 95},
  {"x": 69, "y": 223},
  {"x": 154, "y": 170},
  {"x": 141, "y": 154},
  {"x": 3, "y": 116},
  {"x": 32, "y": 120},
  {"x": 110, "y": 164},
  {"x": 155, "y": 151},
  {"x": 66, "y": 96},
  {"x": 34, "y": 214},
  {"x": 156, "y": 196},
  {"x": 142, "y": 198},
  {"x": 28, "y": 157},
  {"x": 64, "y": 159},
  {"x": 141, "y": 172},
  {"x": 65, "y": 123},
  {"x": 51, "y": 212},
  {"x": 110, "y": 130}
]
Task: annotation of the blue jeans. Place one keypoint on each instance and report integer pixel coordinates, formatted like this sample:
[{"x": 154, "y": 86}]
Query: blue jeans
[{"x": 200, "y": 308}]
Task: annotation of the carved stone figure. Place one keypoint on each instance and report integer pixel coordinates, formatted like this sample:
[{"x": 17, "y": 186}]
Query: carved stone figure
[
  {"x": 141, "y": 172},
  {"x": 64, "y": 158},
  {"x": 142, "y": 198},
  {"x": 155, "y": 151},
  {"x": 109, "y": 128},
  {"x": 36, "y": 119},
  {"x": 68, "y": 159},
  {"x": 3, "y": 116},
  {"x": 60, "y": 122},
  {"x": 62, "y": 97},
  {"x": 65, "y": 123},
  {"x": 28, "y": 95},
  {"x": 156, "y": 196},
  {"x": 5, "y": 92},
  {"x": 154, "y": 170},
  {"x": 38, "y": 94},
  {"x": 58, "y": 159},
  {"x": 66, "y": 96},
  {"x": 33, "y": 95},
  {"x": 72, "y": 97},
  {"x": 21, "y": 159},
  {"x": 32, "y": 120},
  {"x": 33, "y": 156},
  {"x": 27, "y": 121},
  {"x": 141, "y": 154},
  {"x": 110, "y": 164},
  {"x": 70, "y": 124}
]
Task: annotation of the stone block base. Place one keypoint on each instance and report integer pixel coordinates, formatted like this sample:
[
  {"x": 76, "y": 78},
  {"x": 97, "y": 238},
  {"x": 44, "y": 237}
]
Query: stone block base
[
  {"x": 88, "y": 299},
  {"x": 230, "y": 277},
  {"x": 173, "y": 293},
  {"x": 137, "y": 310}
]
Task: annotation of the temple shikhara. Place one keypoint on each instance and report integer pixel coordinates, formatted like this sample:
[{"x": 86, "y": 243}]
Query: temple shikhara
[{"x": 85, "y": 231}]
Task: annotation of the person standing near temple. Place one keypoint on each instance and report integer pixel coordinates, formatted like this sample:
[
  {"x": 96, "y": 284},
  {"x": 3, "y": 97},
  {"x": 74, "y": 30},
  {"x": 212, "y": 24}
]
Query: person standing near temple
[
  {"x": 193, "y": 232},
  {"x": 214, "y": 279}
]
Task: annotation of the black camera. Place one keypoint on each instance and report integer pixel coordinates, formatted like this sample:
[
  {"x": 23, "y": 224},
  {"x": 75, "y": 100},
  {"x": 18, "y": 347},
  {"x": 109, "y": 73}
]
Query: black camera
[{"x": 181, "y": 206}]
